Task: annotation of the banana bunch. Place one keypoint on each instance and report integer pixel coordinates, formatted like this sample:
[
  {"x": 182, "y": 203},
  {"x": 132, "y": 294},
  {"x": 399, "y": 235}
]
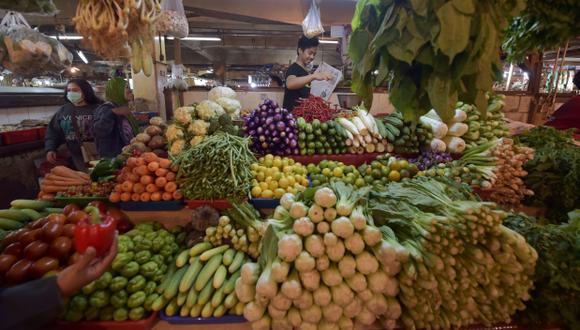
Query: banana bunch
[{"x": 201, "y": 283}]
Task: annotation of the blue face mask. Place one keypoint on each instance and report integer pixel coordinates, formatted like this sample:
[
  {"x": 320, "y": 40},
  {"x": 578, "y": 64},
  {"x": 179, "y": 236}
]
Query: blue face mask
[{"x": 74, "y": 97}]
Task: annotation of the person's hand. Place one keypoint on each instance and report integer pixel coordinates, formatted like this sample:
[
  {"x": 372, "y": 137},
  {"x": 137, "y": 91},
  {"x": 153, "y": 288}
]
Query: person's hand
[
  {"x": 51, "y": 157},
  {"x": 85, "y": 270},
  {"x": 122, "y": 111},
  {"x": 322, "y": 76}
]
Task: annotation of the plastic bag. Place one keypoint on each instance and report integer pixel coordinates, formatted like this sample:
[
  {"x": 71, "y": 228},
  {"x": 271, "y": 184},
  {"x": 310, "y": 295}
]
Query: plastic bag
[
  {"x": 172, "y": 20},
  {"x": 42, "y": 7},
  {"x": 312, "y": 24},
  {"x": 28, "y": 52},
  {"x": 176, "y": 81}
]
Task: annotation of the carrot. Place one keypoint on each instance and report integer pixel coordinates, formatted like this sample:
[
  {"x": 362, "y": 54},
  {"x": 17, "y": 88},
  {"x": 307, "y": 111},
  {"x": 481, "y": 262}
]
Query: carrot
[
  {"x": 170, "y": 176},
  {"x": 161, "y": 172},
  {"x": 84, "y": 175},
  {"x": 142, "y": 170},
  {"x": 145, "y": 197},
  {"x": 164, "y": 163},
  {"x": 177, "y": 195},
  {"x": 151, "y": 188},
  {"x": 115, "y": 197},
  {"x": 149, "y": 157},
  {"x": 66, "y": 180},
  {"x": 153, "y": 166},
  {"x": 138, "y": 187},
  {"x": 125, "y": 197},
  {"x": 65, "y": 171},
  {"x": 167, "y": 196},
  {"x": 170, "y": 187},
  {"x": 135, "y": 197},
  {"x": 127, "y": 186},
  {"x": 156, "y": 196},
  {"x": 146, "y": 179},
  {"x": 160, "y": 182},
  {"x": 139, "y": 162}
]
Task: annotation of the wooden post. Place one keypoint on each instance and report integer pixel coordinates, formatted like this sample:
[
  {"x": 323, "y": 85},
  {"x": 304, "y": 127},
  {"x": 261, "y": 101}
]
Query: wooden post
[
  {"x": 534, "y": 63},
  {"x": 177, "y": 60}
]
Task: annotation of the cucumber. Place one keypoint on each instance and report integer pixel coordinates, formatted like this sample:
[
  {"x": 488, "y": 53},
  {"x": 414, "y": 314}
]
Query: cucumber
[
  {"x": 16, "y": 215},
  {"x": 191, "y": 298},
  {"x": 181, "y": 259},
  {"x": 237, "y": 262},
  {"x": 30, "y": 204},
  {"x": 205, "y": 294},
  {"x": 54, "y": 210},
  {"x": 195, "y": 311},
  {"x": 230, "y": 285},
  {"x": 199, "y": 248},
  {"x": 217, "y": 297},
  {"x": 207, "y": 272},
  {"x": 219, "y": 277},
  {"x": 159, "y": 303},
  {"x": 9, "y": 224},
  {"x": 229, "y": 257},
  {"x": 171, "y": 308},
  {"x": 184, "y": 312},
  {"x": 207, "y": 310},
  {"x": 167, "y": 278},
  {"x": 173, "y": 285},
  {"x": 32, "y": 214},
  {"x": 210, "y": 253},
  {"x": 190, "y": 275},
  {"x": 231, "y": 300},
  {"x": 219, "y": 311},
  {"x": 181, "y": 298}
]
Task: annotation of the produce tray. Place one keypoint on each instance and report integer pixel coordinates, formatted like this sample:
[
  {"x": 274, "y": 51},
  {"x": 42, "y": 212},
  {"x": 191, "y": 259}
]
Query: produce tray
[
  {"x": 21, "y": 136},
  {"x": 152, "y": 206},
  {"x": 145, "y": 324},
  {"x": 219, "y": 204},
  {"x": 80, "y": 201},
  {"x": 347, "y": 159},
  {"x": 201, "y": 320},
  {"x": 264, "y": 203}
]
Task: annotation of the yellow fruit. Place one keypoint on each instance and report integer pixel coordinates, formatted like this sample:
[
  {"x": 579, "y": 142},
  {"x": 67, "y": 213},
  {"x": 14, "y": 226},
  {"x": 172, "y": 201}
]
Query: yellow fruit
[
  {"x": 267, "y": 193},
  {"x": 269, "y": 157},
  {"x": 268, "y": 179},
  {"x": 255, "y": 166},
  {"x": 273, "y": 185},
  {"x": 291, "y": 180},
  {"x": 291, "y": 190},
  {"x": 395, "y": 166},
  {"x": 285, "y": 162},
  {"x": 326, "y": 172},
  {"x": 277, "y": 162},
  {"x": 337, "y": 172},
  {"x": 360, "y": 182},
  {"x": 304, "y": 182},
  {"x": 403, "y": 163},
  {"x": 255, "y": 182},
  {"x": 283, "y": 183},
  {"x": 291, "y": 161},
  {"x": 394, "y": 176},
  {"x": 260, "y": 176},
  {"x": 268, "y": 163},
  {"x": 278, "y": 193},
  {"x": 263, "y": 185},
  {"x": 277, "y": 176},
  {"x": 256, "y": 191}
]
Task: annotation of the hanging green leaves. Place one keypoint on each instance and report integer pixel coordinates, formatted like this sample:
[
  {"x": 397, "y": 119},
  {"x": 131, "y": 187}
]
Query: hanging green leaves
[{"x": 437, "y": 51}]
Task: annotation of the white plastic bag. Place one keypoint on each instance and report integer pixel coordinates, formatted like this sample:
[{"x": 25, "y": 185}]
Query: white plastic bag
[
  {"x": 172, "y": 20},
  {"x": 312, "y": 24}
]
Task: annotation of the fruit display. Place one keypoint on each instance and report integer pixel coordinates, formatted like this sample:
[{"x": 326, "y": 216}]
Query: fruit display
[
  {"x": 201, "y": 283},
  {"x": 62, "y": 179},
  {"x": 152, "y": 139},
  {"x": 146, "y": 178},
  {"x": 330, "y": 171},
  {"x": 23, "y": 211},
  {"x": 129, "y": 288},
  {"x": 489, "y": 128},
  {"x": 273, "y": 130},
  {"x": 387, "y": 168},
  {"x": 321, "y": 138},
  {"x": 273, "y": 176}
]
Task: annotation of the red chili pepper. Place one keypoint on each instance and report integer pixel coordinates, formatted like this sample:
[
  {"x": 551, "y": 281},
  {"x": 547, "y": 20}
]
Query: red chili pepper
[{"x": 95, "y": 231}]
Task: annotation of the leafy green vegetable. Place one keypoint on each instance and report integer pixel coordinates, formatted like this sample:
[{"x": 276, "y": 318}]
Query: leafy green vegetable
[{"x": 438, "y": 52}]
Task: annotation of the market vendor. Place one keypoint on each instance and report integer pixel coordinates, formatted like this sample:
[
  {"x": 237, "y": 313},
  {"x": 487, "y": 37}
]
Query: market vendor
[
  {"x": 72, "y": 123},
  {"x": 568, "y": 114},
  {"x": 114, "y": 125},
  {"x": 298, "y": 76}
]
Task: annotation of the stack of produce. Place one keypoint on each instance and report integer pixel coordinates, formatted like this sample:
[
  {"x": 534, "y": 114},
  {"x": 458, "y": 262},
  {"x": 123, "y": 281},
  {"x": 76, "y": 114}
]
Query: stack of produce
[
  {"x": 447, "y": 136},
  {"x": 216, "y": 168},
  {"x": 428, "y": 159},
  {"x": 151, "y": 140},
  {"x": 226, "y": 98},
  {"x": 488, "y": 129},
  {"x": 330, "y": 171},
  {"x": 509, "y": 187},
  {"x": 274, "y": 176},
  {"x": 321, "y": 138},
  {"x": 193, "y": 123},
  {"x": 314, "y": 107},
  {"x": 323, "y": 265},
  {"x": 272, "y": 129},
  {"x": 463, "y": 266},
  {"x": 556, "y": 294},
  {"x": 201, "y": 283},
  {"x": 62, "y": 179},
  {"x": 23, "y": 211},
  {"x": 554, "y": 173},
  {"x": 146, "y": 178},
  {"x": 364, "y": 133},
  {"x": 387, "y": 168},
  {"x": 128, "y": 289}
]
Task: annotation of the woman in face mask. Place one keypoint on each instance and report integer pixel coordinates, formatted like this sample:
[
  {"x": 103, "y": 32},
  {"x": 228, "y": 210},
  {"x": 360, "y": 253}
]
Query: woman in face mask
[
  {"x": 72, "y": 123},
  {"x": 298, "y": 76}
]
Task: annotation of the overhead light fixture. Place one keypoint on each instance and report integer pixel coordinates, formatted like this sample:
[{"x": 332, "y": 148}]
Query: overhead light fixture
[
  {"x": 67, "y": 37},
  {"x": 328, "y": 42},
  {"x": 74, "y": 69},
  {"x": 83, "y": 57},
  {"x": 197, "y": 38}
]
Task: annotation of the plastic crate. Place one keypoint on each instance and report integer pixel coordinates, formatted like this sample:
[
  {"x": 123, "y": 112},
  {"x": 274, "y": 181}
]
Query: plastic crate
[{"x": 22, "y": 136}]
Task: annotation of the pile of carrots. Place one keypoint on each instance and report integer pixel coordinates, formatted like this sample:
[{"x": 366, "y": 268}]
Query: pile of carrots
[
  {"x": 60, "y": 179},
  {"x": 146, "y": 178}
]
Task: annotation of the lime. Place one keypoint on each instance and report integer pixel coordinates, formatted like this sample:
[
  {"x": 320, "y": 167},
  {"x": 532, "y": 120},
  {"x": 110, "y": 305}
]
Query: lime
[
  {"x": 360, "y": 182},
  {"x": 395, "y": 176},
  {"x": 337, "y": 172},
  {"x": 403, "y": 163},
  {"x": 326, "y": 172}
]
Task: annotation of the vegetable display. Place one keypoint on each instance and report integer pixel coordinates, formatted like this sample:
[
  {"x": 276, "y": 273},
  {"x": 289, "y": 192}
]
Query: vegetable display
[
  {"x": 129, "y": 288},
  {"x": 432, "y": 53},
  {"x": 216, "y": 168},
  {"x": 62, "y": 179},
  {"x": 23, "y": 211},
  {"x": 493, "y": 126},
  {"x": 387, "y": 168},
  {"x": 365, "y": 134},
  {"x": 330, "y": 171},
  {"x": 447, "y": 135},
  {"x": 146, "y": 178},
  {"x": 152, "y": 139},
  {"x": 274, "y": 176},
  {"x": 321, "y": 138},
  {"x": 428, "y": 159},
  {"x": 314, "y": 107},
  {"x": 273, "y": 130}
]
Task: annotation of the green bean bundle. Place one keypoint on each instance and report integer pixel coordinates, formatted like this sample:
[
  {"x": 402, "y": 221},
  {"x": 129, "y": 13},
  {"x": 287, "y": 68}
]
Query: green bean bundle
[{"x": 216, "y": 168}]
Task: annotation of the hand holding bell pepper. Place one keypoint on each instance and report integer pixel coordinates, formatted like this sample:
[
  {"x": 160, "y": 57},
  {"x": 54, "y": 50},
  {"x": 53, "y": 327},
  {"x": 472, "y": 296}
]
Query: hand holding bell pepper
[{"x": 95, "y": 231}]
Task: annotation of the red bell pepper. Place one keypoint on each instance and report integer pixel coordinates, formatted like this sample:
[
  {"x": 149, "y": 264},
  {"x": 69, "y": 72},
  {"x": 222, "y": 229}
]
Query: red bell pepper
[{"x": 95, "y": 231}]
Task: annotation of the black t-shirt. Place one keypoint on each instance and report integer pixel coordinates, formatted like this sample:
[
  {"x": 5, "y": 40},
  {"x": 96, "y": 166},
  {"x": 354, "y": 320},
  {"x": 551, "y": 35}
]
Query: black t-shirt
[{"x": 291, "y": 96}]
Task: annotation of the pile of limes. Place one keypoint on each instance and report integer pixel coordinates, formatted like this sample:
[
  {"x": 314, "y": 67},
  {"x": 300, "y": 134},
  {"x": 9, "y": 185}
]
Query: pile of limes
[
  {"x": 328, "y": 171},
  {"x": 386, "y": 168},
  {"x": 275, "y": 176}
]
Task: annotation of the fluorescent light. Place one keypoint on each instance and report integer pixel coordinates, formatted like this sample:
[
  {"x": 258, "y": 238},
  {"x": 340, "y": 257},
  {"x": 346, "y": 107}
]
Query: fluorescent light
[
  {"x": 253, "y": 85},
  {"x": 83, "y": 57},
  {"x": 74, "y": 69},
  {"x": 67, "y": 37},
  {"x": 328, "y": 42},
  {"x": 197, "y": 38}
]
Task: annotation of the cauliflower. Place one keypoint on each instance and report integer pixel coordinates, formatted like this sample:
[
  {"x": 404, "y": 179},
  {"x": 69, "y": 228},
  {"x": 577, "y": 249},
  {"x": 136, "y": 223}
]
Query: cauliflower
[
  {"x": 220, "y": 91},
  {"x": 199, "y": 127},
  {"x": 173, "y": 132},
  {"x": 176, "y": 147},
  {"x": 207, "y": 109},
  {"x": 231, "y": 106},
  {"x": 183, "y": 114},
  {"x": 196, "y": 140}
]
